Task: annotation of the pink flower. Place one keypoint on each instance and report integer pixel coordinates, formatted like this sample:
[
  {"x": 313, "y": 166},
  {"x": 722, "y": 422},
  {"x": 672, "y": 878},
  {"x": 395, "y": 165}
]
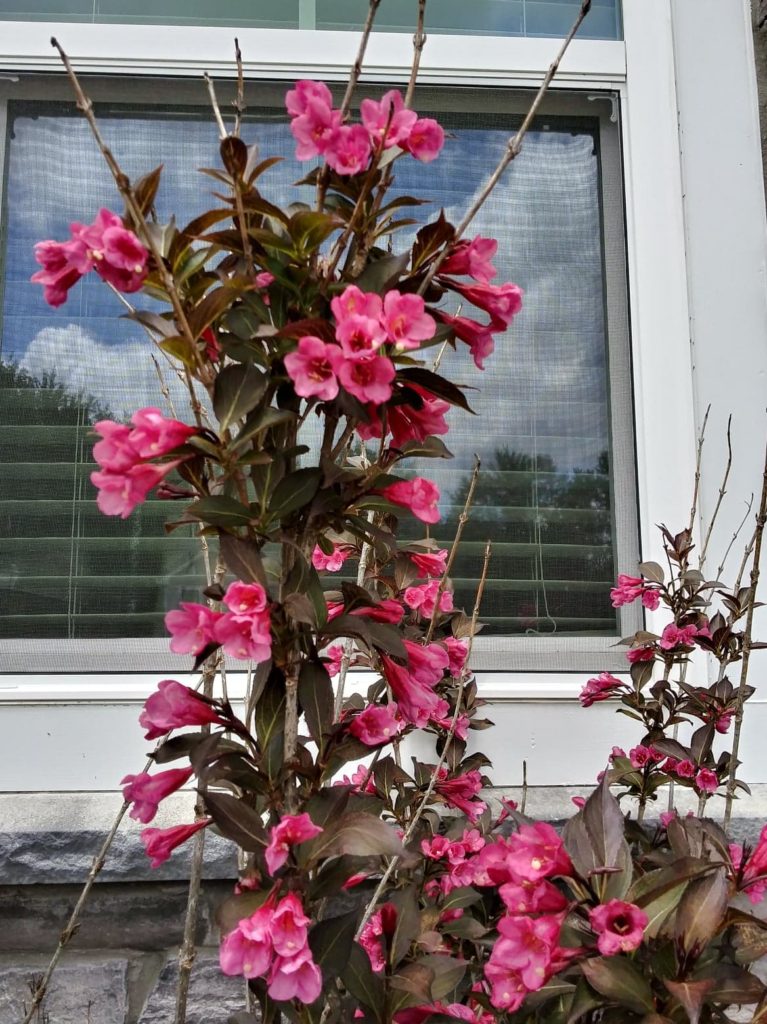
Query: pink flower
[
  {"x": 245, "y": 637},
  {"x": 462, "y": 791},
  {"x": 173, "y": 706},
  {"x": 425, "y": 140},
  {"x": 313, "y": 368},
  {"x": 388, "y": 115},
  {"x": 160, "y": 843},
  {"x": 335, "y": 654},
  {"x": 377, "y": 724},
  {"x": 291, "y": 830},
  {"x": 314, "y": 128},
  {"x": 532, "y": 898},
  {"x": 424, "y": 599},
  {"x": 115, "y": 452},
  {"x": 644, "y": 652},
  {"x": 297, "y": 100},
  {"x": 245, "y": 598},
  {"x": 536, "y": 851},
  {"x": 296, "y": 977},
  {"x": 288, "y": 926},
  {"x": 332, "y": 562},
  {"x": 368, "y": 378},
  {"x": 360, "y": 335},
  {"x": 119, "y": 493},
  {"x": 619, "y": 927},
  {"x": 617, "y": 752},
  {"x": 354, "y": 302},
  {"x": 479, "y": 337},
  {"x": 472, "y": 259},
  {"x": 113, "y": 251},
  {"x": 418, "y": 495},
  {"x": 409, "y": 421},
  {"x": 405, "y": 320},
  {"x": 361, "y": 776},
  {"x": 427, "y": 663},
  {"x": 706, "y": 781},
  {"x": 416, "y": 700},
  {"x": 723, "y": 722},
  {"x": 674, "y": 636},
  {"x": 371, "y": 941},
  {"x": 192, "y": 627},
  {"x": 248, "y": 949},
  {"x": 146, "y": 791},
  {"x": 155, "y": 434},
  {"x": 527, "y": 946},
  {"x": 502, "y": 302},
  {"x": 641, "y": 756},
  {"x": 752, "y": 875},
  {"x": 59, "y": 261},
  {"x": 347, "y": 149},
  {"x": 666, "y": 817},
  {"x": 684, "y": 769},
  {"x": 600, "y": 688},
  {"x": 629, "y": 588},
  {"x": 429, "y": 563},
  {"x": 457, "y": 652}
]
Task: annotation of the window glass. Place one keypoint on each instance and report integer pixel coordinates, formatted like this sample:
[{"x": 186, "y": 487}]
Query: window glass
[
  {"x": 484, "y": 17},
  {"x": 543, "y": 404}
]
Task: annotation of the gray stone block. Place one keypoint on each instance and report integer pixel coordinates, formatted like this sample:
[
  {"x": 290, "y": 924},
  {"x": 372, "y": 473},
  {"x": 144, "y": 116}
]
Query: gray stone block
[
  {"x": 81, "y": 992},
  {"x": 212, "y": 995}
]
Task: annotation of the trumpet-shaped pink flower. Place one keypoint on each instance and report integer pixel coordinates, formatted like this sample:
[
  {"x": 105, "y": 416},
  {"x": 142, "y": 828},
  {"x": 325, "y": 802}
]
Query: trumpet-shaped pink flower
[
  {"x": 360, "y": 335},
  {"x": 408, "y": 421},
  {"x": 192, "y": 627},
  {"x": 641, "y": 756},
  {"x": 313, "y": 129},
  {"x": 296, "y": 977},
  {"x": 643, "y": 652},
  {"x": 332, "y": 562},
  {"x": 424, "y": 599},
  {"x": 335, "y": 654},
  {"x": 115, "y": 451},
  {"x": 536, "y": 851},
  {"x": 461, "y": 791},
  {"x": 457, "y": 652},
  {"x": 306, "y": 91},
  {"x": 289, "y": 926},
  {"x": 245, "y": 637},
  {"x": 684, "y": 769},
  {"x": 753, "y": 876},
  {"x": 354, "y": 302},
  {"x": 146, "y": 791},
  {"x": 479, "y": 337},
  {"x": 371, "y": 938},
  {"x": 377, "y": 724},
  {"x": 600, "y": 688},
  {"x": 429, "y": 563},
  {"x": 706, "y": 781},
  {"x": 528, "y": 950},
  {"x": 676, "y": 636},
  {"x": 418, "y": 495},
  {"x": 368, "y": 378},
  {"x": 630, "y": 588},
  {"x": 413, "y": 686},
  {"x": 248, "y": 949},
  {"x": 173, "y": 706},
  {"x": 160, "y": 843},
  {"x": 472, "y": 259},
  {"x": 313, "y": 368},
  {"x": 502, "y": 302},
  {"x": 114, "y": 252},
  {"x": 347, "y": 149},
  {"x": 425, "y": 140},
  {"x": 245, "y": 598},
  {"x": 406, "y": 321},
  {"x": 388, "y": 115},
  {"x": 59, "y": 262},
  {"x": 427, "y": 662},
  {"x": 532, "y": 897},
  {"x": 619, "y": 927},
  {"x": 154, "y": 434},
  {"x": 119, "y": 493},
  {"x": 291, "y": 830}
]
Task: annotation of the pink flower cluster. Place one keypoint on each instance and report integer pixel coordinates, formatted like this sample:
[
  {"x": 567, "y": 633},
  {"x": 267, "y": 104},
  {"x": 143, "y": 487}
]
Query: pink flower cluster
[
  {"x": 524, "y": 958},
  {"x": 364, "y": 323},
  {"x": 424, "y": 599},
  {"x": 105, "y": 246},
  {"x": 674, "y": 636},
  {"x": 753, "y": 874},
  {"x": 429, "y": 563},
  {"x": 629, "y": 588},
  {"x": 318, "y": 129},
  {"x": 126, "y": 477},
  {"x": 377, "y": 724},
  {"x": 413, "y": 685},
  {"x": 290, "y": 831},
  {"x": 243, "y": 631},
  {"x": 146, "y": 791},
  {"x": 333, "y": 561},
  {"x": 456, "y": 856},
  {"x": 419, "y": 415},
  {"x": 273, "y": 943},
  {"x": 461, "y": 791},
  {"x": 419, "y": 495},
  {"x": 173, "y": 706},
  {"x": 599, "y": 688}
]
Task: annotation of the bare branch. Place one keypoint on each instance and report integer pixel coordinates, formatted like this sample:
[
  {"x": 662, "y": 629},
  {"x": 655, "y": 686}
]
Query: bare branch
[
  {"x": 744, "y": 562},
  {"x": 222, "y": 132},
  {"x": 419, "y": 41},
  {"x": 698, "y": 458},
  {"x": 365, "y": 553},
  {"x": 239, "y": 100},
  {"x": 761, "y": 519},
  {"x": 736, "y": 534},
  {"x": 722, "y": 492}
]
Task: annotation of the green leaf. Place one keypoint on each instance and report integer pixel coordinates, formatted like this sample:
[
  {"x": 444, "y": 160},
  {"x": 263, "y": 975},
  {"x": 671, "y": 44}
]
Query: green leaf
[
  {"x": 243, "y": 558},
  {"x": 315, "y": 693},
  {"x": 294, "y": 491},
  {"x": 270, "y": 710},
  {"x": 357, "y": 834},
  {"x": 309, "y": 228},
  {"x": 221, "y": 511},
  {"x": 584, "y": 1000},
  {"x": 260, "y": 421},
  {"x": 383, "y": 274},
  {"x": 210, "y": 308},
  {"x": 237, "y": 390},
  {"x": 236, "y": 820},
  {"x": 464, "y": 896},
  {"x": 331, "y": 941},
  {"x": 429, "y": 448},
  {"x": 701, "y": 910},
  {"x": 181, "y": 349},
  {"x": 619, "y": 981}
]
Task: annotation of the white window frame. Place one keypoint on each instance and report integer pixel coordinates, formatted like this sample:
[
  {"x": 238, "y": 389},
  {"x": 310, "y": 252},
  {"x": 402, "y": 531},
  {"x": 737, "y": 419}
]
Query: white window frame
[{"x": 643, "y": 72}]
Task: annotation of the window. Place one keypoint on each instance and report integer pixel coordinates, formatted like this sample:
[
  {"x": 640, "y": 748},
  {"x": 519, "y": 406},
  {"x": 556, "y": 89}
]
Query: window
[
  {"x": 83, "y": 592},
  {"x": 485, "y": 17}
]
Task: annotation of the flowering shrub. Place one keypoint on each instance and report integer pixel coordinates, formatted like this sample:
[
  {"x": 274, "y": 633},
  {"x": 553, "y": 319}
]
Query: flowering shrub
[{"x": 447, "y": 909}]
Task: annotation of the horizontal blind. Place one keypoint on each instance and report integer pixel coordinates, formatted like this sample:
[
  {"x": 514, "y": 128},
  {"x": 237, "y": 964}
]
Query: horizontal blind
[
  {"x": 483, "y": 17},
  {"x": 542, "y": 430}
]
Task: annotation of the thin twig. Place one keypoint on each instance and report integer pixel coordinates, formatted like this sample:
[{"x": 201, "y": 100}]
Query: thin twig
[
  {"x": 239, "y": 100},
  {"x": 365, "y": 553},
  {"x": 443, "y": 756},
  {"x": 744, "y": 561},
  {"x": 736, "y": 534},
  {"x": 696, "y": 482},
  {"x": 513, "y": 148},
  {"x": 722, "y": 492},
  {"x": 523, "y": 801},
  {"x": 462, "y": 521},
  {"x": 164, "y": 389},
  {"x": 761, "y": 519},
  {"x": 222, "y": 132},
  {"x": 419, "y": 41}
]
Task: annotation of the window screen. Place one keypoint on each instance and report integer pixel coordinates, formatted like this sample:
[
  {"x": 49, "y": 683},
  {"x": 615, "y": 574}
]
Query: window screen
[
  {"x": 484, "y": 17},
  {"x": 553, "y": 471}
]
